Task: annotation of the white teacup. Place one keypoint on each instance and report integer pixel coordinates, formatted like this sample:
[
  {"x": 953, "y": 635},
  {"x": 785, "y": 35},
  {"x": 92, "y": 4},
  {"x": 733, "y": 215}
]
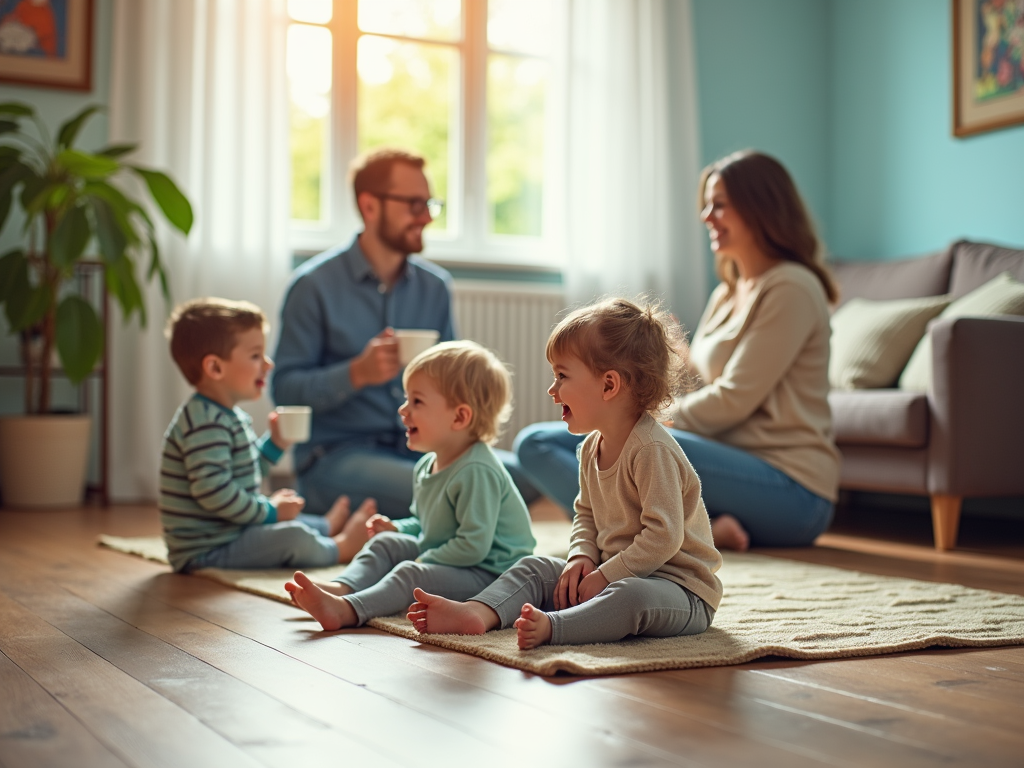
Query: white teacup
[
  {"x": 413, "y": 341},
  {"x": 293, "y": 422}
]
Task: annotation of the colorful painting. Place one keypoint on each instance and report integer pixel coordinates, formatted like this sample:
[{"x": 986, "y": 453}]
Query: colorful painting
[
  {"x": 46, "y": 42},
  {"x": 1000, "y": 41}
]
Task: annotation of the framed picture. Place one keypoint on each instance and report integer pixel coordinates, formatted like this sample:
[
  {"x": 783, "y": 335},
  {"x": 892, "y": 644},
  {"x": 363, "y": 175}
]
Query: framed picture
[
  {"x": 988, "y": 65},
  {"x": 46, "y": 43}
]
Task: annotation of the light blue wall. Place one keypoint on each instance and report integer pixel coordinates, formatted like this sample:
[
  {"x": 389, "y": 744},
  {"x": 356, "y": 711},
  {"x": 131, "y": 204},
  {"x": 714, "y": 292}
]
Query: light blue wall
[
  {"x": 901, "y": 183},
  {"x": 855, "y": 97},
  {"x": 764, "y": 82}
]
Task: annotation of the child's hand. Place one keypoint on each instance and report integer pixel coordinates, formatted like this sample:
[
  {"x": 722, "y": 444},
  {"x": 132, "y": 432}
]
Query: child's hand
[
  {"x": 378, "y": 524},
  {"x": 592, "y": 585},
  {"x": 275, "y": 432},
  {"x": 289, "y": 504},
  {"x": 567, "y": 589}
]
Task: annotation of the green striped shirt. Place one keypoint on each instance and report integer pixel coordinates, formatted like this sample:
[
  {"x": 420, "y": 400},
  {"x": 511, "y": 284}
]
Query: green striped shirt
[{"x": 210, "y": 476}]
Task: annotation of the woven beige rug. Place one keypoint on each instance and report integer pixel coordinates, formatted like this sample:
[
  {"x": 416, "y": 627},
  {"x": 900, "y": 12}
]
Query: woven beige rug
[{"x": 771, "y": 607}]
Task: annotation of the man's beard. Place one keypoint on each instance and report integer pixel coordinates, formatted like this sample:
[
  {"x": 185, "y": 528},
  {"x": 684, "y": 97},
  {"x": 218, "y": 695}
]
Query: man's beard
[{"x": 404, "y": 241}]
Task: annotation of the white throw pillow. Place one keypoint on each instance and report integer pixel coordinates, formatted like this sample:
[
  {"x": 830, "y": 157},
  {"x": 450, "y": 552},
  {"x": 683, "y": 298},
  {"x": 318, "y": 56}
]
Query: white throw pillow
[
  {"x": 872, "y": 340},
  {"x": 1001, "y": 295}
]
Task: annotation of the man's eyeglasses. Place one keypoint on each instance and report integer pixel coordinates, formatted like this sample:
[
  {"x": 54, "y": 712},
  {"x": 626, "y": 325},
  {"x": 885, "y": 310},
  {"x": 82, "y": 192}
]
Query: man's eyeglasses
[{"x": 417, "y": 205}]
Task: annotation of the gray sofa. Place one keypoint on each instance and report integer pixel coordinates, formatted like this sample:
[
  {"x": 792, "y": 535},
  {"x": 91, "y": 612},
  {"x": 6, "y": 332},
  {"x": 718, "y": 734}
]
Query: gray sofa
[{"x": 965, "y": 436}]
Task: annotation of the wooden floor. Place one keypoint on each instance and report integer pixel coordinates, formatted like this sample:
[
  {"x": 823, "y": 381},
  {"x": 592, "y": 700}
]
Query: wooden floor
[{"x": 108, "y": 660}]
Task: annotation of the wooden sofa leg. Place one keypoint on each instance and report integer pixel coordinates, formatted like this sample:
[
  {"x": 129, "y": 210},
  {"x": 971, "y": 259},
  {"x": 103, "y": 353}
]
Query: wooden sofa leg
[{"x": 945, "y": 520}]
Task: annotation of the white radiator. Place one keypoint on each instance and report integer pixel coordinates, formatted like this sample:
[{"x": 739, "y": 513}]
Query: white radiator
[{"x": 514, "y": 320}]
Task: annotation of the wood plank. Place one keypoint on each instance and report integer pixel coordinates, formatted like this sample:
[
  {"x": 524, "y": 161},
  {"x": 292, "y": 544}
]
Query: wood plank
[
  {"x": 992, "y": 703},
  {"x": 274, "y": 624},
  {"x": 566, "y": 711},
  {"x": 924, "y": 731},
  {"x": 133, "y": 722},
  {"x": 451, "y": 702},
  {"x": 961, "y": 705},
  {"x": 37, "y": 732},
  {"x": 720, "y": 695},
  {"x": 352, "y": 709},
  {"x": 271, "y": 732},
  {"x": 580, "y": 701},
  {"x": 989, "y": 662}
]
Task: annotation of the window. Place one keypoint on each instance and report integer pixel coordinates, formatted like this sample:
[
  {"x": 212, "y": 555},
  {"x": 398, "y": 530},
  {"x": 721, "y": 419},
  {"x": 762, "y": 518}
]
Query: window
[{"x": 475, "y": 86}]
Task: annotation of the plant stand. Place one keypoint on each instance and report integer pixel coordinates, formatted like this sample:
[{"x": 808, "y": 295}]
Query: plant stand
[{"x": 93, "y": 400}]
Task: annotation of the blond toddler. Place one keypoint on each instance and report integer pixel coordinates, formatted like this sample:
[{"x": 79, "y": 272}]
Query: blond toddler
[{"x": 468, "y": 523}]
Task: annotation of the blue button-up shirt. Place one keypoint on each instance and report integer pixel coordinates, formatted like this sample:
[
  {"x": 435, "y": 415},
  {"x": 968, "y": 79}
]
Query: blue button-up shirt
[{"x": 334, "y": 305}]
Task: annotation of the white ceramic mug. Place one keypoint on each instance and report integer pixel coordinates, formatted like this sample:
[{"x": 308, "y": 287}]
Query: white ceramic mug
[
  {"x": 294, "y": 421},
  {"x": 413, "y": 341}
]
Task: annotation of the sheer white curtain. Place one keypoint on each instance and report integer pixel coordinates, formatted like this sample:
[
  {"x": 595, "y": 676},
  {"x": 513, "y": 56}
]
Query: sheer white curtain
[
  {"x": 200, "y": 85},
  {"x": 633, "y": 157}
]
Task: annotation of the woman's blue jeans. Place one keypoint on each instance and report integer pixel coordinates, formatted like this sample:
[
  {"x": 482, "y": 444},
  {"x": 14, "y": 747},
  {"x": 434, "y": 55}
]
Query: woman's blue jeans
[{"x": 773, "y": 508}]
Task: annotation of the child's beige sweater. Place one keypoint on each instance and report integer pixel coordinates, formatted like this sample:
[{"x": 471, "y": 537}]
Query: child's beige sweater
[{"x": 644, "y": 515}]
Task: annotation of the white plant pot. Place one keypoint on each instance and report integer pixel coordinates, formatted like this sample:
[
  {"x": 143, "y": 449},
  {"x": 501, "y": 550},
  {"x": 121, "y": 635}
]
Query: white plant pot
[{"x": 43, "y": 460}]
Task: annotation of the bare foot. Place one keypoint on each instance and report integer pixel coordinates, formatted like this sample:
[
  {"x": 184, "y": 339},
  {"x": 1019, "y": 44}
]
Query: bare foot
[
  {"x": 331, "y": 611},
  {"x": 353, "y": 535},
  {"x": 330, "y": 587},
  {"x": 533, "y": 628},
  {"x": 729, "y": 534},
  {"x": 337, "y": 515},
  {"x": 436, "y": 615}
]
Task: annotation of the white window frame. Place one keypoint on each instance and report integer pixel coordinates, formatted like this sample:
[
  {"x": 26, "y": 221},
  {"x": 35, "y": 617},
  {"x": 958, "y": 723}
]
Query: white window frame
[{"x": 468, "y": 216}]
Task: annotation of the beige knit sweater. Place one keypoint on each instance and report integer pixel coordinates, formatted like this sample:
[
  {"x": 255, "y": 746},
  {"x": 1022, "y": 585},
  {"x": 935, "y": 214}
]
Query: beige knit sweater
[
  {"x": 644, "y": 515},
  {"x": 765, "y": 371}
]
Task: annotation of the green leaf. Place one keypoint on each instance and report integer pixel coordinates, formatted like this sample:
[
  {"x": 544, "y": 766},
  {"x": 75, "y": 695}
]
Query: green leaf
[
  {"x": 79, "y": 335},
  {"x": 34, "y": 194},
  {"x": 16, "y": 108},
  {"x": 120, "y": 206},
  {"x": 8, "y": 126},
  {"x": 5, "y": 207},
  {"x": 172, "y": 202},
  {"x": 10, "y": 263},
  {"x": 69, "y": 238},
  {"x": 111, "y": 237},
  {"x": 87, "y": 166},
  {"x": 69, "y": 131},
  {"x": 27, "y": 304},
  {"x": 14, "y": 173},
  {"x": 117, "y": 150},
  {"x": 37, "y": 203},
  {"x": 121, "y": 283}
]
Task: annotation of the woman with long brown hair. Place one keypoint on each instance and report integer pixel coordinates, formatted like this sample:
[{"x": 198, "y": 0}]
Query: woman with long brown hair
[{"x": 758, "y": 430}]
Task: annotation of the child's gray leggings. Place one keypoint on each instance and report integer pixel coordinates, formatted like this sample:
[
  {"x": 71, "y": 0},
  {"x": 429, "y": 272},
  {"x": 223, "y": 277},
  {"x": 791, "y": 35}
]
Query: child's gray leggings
[
  {"x": 651, "y": 607},
  {"x": 383, "y": 575}
]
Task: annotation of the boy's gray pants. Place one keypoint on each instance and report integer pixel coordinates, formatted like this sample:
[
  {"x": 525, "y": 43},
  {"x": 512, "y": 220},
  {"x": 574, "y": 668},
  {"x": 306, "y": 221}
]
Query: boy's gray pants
[
  {"x": 651, "y": 607},
  {"x": 383, "y": 575}
]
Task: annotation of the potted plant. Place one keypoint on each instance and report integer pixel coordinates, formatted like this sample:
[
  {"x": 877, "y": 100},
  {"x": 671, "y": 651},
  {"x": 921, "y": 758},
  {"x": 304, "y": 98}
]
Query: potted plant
[{"x": 69, "y": 201}]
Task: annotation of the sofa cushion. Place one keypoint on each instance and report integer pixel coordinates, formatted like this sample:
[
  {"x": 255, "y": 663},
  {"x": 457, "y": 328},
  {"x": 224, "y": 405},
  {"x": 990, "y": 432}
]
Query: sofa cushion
[
  {"x": 974, "y": 264},
  {"x": 880, "y": 417},
  {"x": 1000, "y": 296},
  {"x": 872, "y": 340},
  {"x": 903, "y": 279}
]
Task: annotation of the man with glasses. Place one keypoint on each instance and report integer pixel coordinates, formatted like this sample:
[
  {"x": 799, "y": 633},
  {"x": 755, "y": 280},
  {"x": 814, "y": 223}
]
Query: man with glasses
[{"x": 337, "y": 351}]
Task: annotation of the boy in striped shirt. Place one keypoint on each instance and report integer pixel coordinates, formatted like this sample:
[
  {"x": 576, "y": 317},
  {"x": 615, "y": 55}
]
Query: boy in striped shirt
[{"x": 211, "y": 507}]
